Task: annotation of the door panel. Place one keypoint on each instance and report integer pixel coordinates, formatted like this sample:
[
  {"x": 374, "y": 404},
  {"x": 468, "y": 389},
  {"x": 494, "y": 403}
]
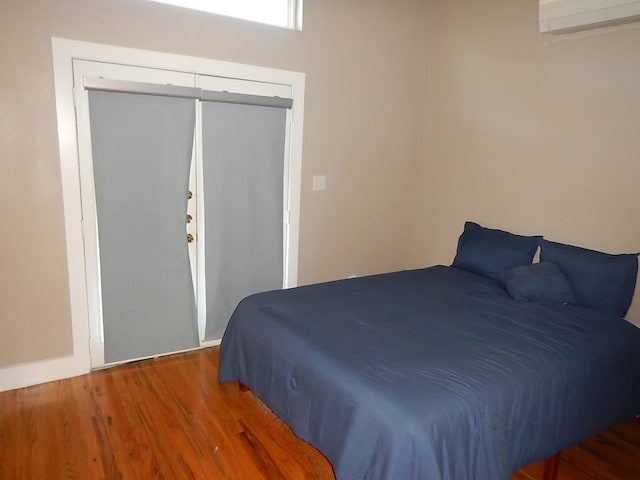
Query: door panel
[
  {"x": 243, "y": 172},
  {"x": 142, "y": 150}
]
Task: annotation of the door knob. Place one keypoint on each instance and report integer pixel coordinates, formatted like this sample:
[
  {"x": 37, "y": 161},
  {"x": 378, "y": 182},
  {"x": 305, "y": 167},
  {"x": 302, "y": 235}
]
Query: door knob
[
  {"x": 190, "y": 238},
  {"x": 189, "y": 218}
]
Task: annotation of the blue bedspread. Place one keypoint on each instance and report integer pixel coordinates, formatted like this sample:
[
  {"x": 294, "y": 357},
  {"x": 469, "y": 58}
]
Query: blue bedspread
[{"x": 432, "y": 374}]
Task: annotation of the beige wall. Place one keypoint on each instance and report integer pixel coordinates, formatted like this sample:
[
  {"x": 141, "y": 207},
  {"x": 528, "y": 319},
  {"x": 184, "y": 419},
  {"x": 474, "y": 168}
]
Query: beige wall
[
  {"x": 534, "y": 133},
  {"x": 360, "y": 119},
  {"x": 517, "y": 130}
]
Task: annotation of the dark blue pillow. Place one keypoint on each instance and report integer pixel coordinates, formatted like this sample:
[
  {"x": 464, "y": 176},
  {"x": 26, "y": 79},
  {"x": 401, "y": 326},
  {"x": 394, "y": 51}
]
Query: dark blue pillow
[
  {"x": 489, "y": 252},
  {"x": 540, "y": 282},
  {"x": 599, "y": 280}
]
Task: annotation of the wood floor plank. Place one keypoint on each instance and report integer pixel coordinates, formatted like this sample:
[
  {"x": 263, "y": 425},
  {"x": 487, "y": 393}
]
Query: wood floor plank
[{"x": 169, "y": 419}]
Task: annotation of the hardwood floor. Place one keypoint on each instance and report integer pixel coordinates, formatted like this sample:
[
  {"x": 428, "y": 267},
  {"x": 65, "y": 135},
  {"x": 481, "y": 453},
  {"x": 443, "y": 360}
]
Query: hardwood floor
[{"x": 169, "y": 419}]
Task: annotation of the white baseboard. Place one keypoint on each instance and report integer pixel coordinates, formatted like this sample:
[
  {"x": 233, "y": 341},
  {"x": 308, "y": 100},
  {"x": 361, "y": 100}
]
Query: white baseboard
[
  {"x": 28, "y": 374},
  {"x": 34, "y": 373}
]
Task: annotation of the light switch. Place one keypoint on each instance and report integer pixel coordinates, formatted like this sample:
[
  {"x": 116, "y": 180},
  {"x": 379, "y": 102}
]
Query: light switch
[{"x": 319, "y": 182}]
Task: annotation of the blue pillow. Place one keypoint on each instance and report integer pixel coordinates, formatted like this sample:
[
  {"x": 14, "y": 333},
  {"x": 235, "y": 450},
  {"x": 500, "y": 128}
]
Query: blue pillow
[
  {"x": 490, "y": 252},
  {"x": 540, "y": 282},
  {"x": 599, "y": 280}
]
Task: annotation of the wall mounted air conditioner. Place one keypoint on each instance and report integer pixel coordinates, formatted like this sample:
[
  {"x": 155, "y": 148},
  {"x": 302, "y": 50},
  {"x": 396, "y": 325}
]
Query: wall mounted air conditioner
[{"x": 558, "y": 15}]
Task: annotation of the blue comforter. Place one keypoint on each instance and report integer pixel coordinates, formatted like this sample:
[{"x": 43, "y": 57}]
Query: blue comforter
[{"x": 432, "y": 374}]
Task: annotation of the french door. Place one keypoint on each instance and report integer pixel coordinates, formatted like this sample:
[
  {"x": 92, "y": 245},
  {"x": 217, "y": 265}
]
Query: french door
[{"x": 185, "y": 200}]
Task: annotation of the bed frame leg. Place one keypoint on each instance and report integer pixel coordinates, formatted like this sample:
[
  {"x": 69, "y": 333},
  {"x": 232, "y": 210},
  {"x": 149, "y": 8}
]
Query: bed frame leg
[
  {"x": 243, "y": 387},
  {"x": 551, "y": 465}
]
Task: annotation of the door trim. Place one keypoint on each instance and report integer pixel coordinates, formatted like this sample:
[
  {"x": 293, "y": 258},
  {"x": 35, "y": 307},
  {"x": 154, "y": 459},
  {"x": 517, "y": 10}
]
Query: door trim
[{"x": 64, "y": 53}]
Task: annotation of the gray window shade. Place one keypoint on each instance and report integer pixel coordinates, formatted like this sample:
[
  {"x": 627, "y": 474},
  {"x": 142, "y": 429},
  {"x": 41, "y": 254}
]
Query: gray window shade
[
  {"x": 142, "y": 147},
  {"x": 243, "y": 162}
]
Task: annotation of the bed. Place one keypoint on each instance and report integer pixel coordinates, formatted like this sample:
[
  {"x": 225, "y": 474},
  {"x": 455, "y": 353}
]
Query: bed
[{"x": 436, "y": 373}]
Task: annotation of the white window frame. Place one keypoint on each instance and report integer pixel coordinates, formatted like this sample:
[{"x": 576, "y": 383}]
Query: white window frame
[
  {"x": 64, "y": 53},
  {"x": 293, "y": 20}
]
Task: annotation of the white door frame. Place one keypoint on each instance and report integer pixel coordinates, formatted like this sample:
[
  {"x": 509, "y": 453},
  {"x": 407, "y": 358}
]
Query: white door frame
[{"x": 64, "y": 53}]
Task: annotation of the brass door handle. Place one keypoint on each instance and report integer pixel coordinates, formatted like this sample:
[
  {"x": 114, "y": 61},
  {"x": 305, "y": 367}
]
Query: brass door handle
[
  {"x": 189, "y": 218},
  {"x": 190, "y": 238}
]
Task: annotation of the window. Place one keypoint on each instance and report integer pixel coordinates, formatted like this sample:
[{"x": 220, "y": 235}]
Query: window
[{"x": 281, "y": 13}]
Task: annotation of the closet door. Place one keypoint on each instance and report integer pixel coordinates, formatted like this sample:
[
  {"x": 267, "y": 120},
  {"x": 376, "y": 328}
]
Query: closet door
[
  {"x": 243, "y": 182},
  {"x": 142, "y": 150}
]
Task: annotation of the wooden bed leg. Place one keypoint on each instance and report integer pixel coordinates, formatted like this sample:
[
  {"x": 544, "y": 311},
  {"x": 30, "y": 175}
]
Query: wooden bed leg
[
  {"x": 243, "y": 387},
  {"x": 551, "y": 465}
]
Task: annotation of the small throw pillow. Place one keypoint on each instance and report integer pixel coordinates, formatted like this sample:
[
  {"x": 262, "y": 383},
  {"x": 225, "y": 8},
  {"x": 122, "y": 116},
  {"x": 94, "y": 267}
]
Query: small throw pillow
[
  {"x": 540, "y": 282},
  {"x": 489, "y": 252},
  {"x": 599, "y": 280}
]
